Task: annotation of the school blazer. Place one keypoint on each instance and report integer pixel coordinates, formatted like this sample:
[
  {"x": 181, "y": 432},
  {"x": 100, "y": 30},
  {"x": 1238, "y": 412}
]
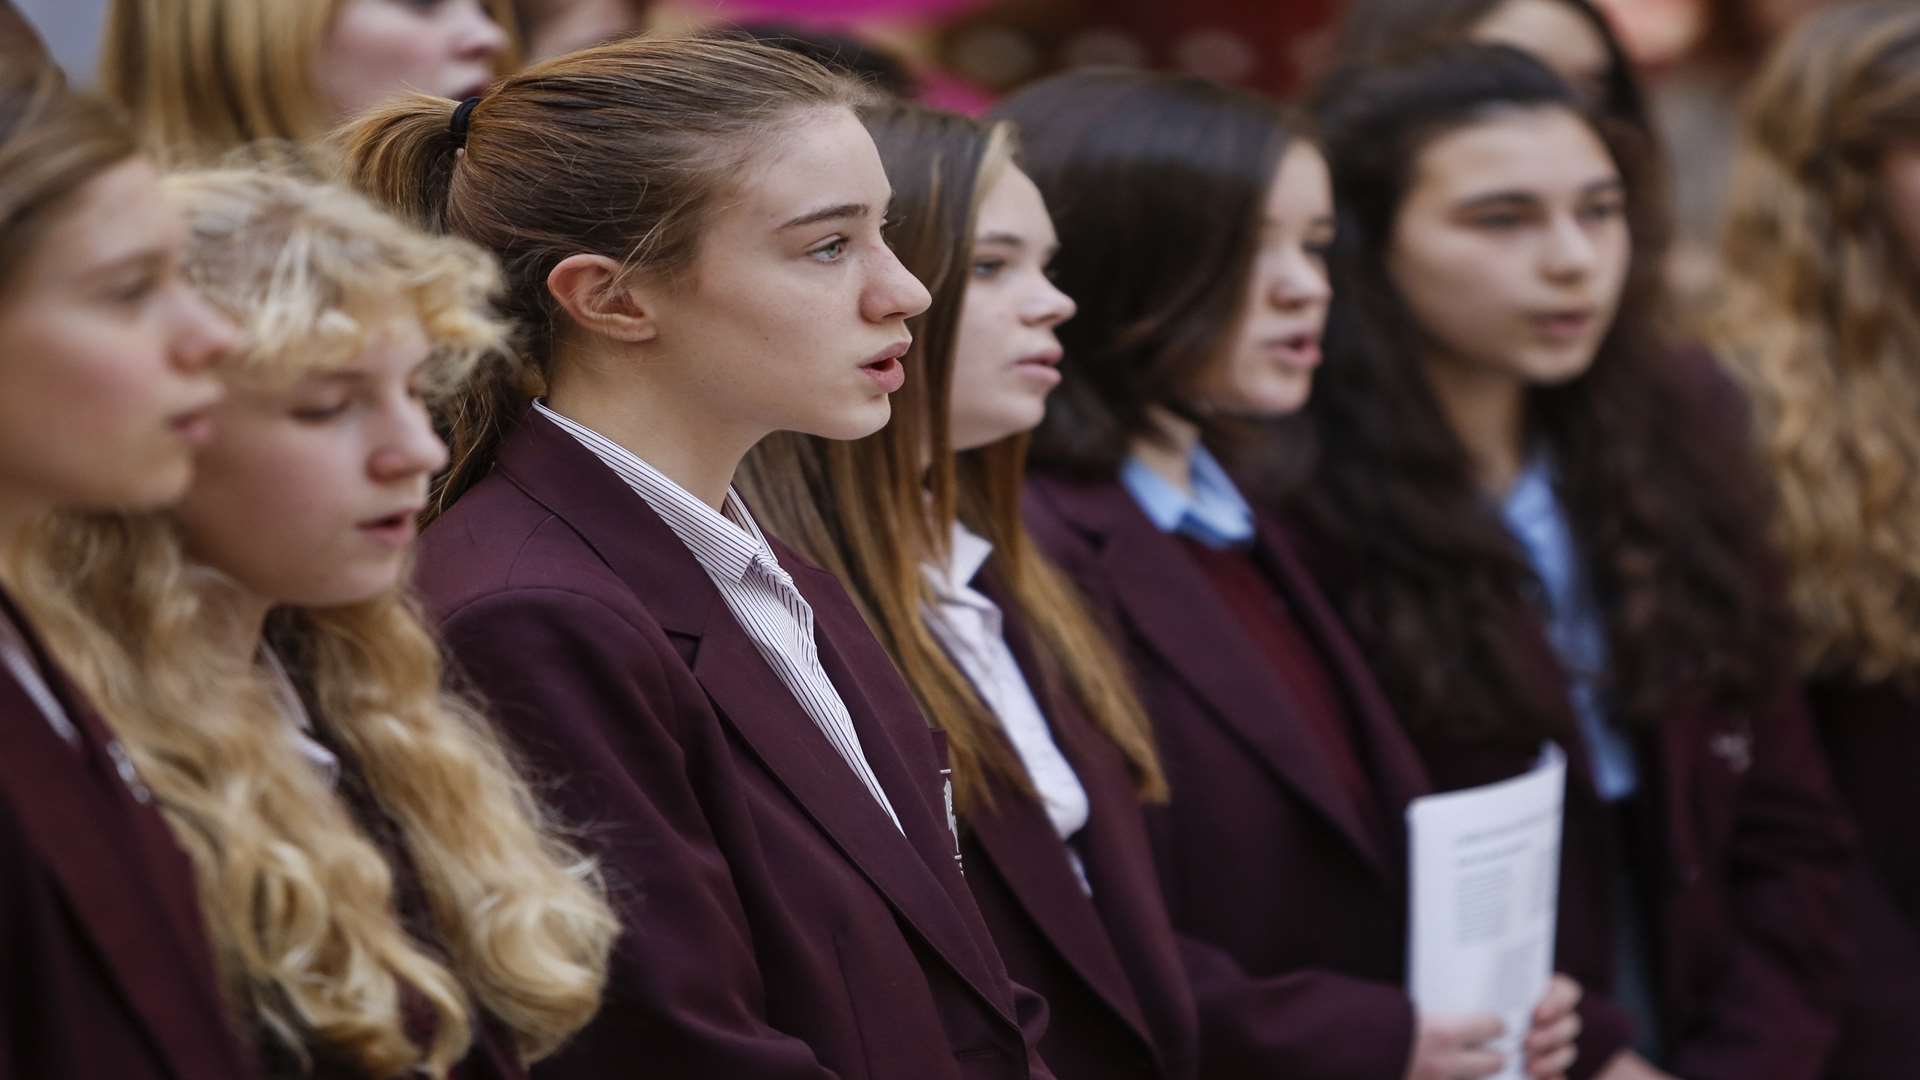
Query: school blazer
[
  {"x": 777, "y": 924},
  {"x": 1291, "y": 911},
  {"x": 1119, "y": 1005},
  {"x": 1871, "y": 732},
  {"x": 105, "y": 970}
]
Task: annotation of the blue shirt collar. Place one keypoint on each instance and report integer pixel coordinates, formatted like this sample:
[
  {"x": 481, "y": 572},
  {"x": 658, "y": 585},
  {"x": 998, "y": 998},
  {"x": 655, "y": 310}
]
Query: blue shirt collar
[{"x": 1214, "y": 513}]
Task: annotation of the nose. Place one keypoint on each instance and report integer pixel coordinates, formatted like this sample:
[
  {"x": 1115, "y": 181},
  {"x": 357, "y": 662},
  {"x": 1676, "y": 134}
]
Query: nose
[
  {"x": 1570, "y": 251},
  {"x": 412, "y": 448},
  {"x": 478, "y": 37},
  {"x": 203, "y": 336},
  {"x": 1050, "y": 306},
  {"x": 894, "y": 293},
  {"x": 1299, "y": 283}
]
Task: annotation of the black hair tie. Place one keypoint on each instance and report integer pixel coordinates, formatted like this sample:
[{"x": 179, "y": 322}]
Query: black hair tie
[{"x": 462, "y": 119}]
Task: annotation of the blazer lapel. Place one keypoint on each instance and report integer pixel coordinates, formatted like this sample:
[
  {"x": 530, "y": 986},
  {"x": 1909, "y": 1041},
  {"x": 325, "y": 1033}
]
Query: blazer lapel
[
  {"x": 1394, "y": 761},
  {"x": 1173, "y": 607},
  {"x": 108, "y": 878},
  {"x": 1020, "y": 839},
  {"x": 637, "y": 545}
]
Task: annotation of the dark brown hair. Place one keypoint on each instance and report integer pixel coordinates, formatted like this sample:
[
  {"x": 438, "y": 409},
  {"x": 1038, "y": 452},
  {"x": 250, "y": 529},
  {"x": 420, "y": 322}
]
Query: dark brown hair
[
  {"x": 876, "y": 511},
  {"x": 620, "y": 150},
  {"x": 52, "y": 142},
  {"x": 1157, "y": 221},
  {"x": 1649, "y": 460}
]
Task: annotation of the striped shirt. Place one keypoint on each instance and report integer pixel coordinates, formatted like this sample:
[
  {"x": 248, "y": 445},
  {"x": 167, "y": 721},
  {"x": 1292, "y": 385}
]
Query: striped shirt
[{"x": 730, "y": 547}]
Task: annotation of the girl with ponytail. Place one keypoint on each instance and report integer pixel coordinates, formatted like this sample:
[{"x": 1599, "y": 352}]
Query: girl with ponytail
[{"x": 692, "y": 236}]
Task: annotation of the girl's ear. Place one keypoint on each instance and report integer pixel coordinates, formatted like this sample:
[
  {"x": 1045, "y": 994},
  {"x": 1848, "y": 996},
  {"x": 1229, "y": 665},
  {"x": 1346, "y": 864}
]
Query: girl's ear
[{"x": 588, "y": 288}]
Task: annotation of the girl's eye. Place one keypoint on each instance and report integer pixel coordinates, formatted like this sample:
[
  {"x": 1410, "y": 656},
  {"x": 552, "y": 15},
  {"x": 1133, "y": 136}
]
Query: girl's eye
[
  {"x": 829, "y": 252},
  {"x": 1600, "y": 212},
  {"x": 988, "y": 269},
  {"x": 320, "y": 414},
  {"x": 1319, "y": 252},
  {"x": 1498, "y": 221}
]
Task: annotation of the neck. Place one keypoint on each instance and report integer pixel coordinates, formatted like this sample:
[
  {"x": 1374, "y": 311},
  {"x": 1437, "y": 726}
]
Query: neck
[
  {"x": 238, "y": 621},
  {"x": 1487, "y": 412},
  {"x": 669, "y": 429},
  {"x": 1168, "y": 448}
]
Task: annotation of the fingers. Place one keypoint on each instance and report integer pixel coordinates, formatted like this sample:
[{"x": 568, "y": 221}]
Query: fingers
[
  {"x": 1476, "y": 1064},
  {"x": 1554, "y": 1066},
  {"x": 1561, "y": 1033},
  {"x": 1562, "y": 997},
  {"x": 1470, "y": 1031}
]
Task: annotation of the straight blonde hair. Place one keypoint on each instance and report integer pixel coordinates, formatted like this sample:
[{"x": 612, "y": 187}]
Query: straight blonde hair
[
  {"x": 298, "y": 888},
  {"x": 201, "y": 78}
]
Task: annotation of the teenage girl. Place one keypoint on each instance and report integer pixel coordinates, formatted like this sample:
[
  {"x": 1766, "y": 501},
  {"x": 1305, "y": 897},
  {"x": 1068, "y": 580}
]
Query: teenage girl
[
  {"x": 384, "y": 894},
  {"x": 1819, "y": 318},
  {"x": 1540, "y": 522},
  {"x": 105, "y": 387},
  {"x": 692, "y": 236},
  {"x": 1194, "y": 239},
  {"x": 921, "y": 521}
]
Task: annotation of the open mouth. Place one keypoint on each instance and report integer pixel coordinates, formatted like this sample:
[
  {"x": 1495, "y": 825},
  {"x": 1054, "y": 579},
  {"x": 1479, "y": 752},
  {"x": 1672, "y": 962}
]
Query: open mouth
[
  {"x": 196, "y": 427},
  {"x": 1298, "y": 350},
  {"x": 1563, "y": 325},
  {"x": 396, "y": 528}
]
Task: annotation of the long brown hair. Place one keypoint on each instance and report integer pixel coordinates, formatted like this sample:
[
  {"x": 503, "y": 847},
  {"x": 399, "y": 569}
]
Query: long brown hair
[
  {"x": 1158, "y": 222},
  {"x": 876, "y": 511},
  {"x": 1821, "y": 321},
  {"x": 620, "y": 150},
  {"x": 52, "y": 142},
  {"x": 1650, "y": 463}
]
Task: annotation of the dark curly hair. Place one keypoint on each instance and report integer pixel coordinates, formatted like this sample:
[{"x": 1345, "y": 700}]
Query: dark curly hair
[{"x": 1648, "y": 445}]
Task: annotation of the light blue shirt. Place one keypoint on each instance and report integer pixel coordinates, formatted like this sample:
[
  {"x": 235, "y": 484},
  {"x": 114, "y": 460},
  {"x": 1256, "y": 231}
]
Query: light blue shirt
[
  {"x": 1534, "y": 516},
  {"x": 1214, "y": 513}
]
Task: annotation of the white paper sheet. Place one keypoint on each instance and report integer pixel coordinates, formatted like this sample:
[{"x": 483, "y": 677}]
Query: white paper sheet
[{"x": 1485, "y": 866}]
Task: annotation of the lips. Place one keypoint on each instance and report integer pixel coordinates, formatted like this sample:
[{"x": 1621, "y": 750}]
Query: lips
[
  {"x": 1565, "y": 325},
  {"x": 396, "y": 528},
  {"x": 1296, "y": 350},
  {"x": 195, "y": 428},
  {"x": 885, "y": 369}
]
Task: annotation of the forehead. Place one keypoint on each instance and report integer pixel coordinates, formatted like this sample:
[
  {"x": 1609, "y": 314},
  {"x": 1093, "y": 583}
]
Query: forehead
[
  {"x": 823, "y": 157},
  {"x": 1545, "y": 151},
  {"x": 122, "y": 212},
  {"x": 1302, "y": 187},
  {"x": 1552, "y": 31},
  {"x": 1013, "y": 203}
]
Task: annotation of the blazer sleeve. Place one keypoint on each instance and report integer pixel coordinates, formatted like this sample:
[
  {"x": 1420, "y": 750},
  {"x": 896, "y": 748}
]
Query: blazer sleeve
[
  {"x": 1773, "y": 1009},
  {"x": 584, "y": 695}
]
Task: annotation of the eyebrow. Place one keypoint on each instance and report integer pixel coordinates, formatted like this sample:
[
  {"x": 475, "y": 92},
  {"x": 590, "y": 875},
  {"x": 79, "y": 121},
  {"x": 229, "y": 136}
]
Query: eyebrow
[
  {"x": 143, "y": 259},
  {"x": 829, "y": 213},
  {"x": 1593, "y": 187}
]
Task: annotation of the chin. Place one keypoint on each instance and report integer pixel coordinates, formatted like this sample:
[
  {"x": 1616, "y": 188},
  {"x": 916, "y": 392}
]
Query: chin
[
  {"x": 1560, "y": 368},
  {"x": 855, "y": 423}
]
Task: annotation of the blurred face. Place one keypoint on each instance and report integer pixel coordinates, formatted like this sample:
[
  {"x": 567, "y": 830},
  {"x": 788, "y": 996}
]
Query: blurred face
[
  {"x": 796, "y": 315},
  {"x": 1006, "y": 357},
  {"x": 308, "y": 492},
  {"x": 562, "y": 26},
  {"x": 1556, "y": 35},
  {"x": 1900, "y": 196},
  {"x": 1267, "y": 369},
  {"x": 105, "y": 355},
  {"x": 379, "y": 48},
  {"x": 1511, "y": 247}
]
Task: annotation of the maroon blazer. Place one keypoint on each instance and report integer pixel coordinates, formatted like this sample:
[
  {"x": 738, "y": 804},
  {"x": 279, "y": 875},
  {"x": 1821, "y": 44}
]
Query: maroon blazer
[
  {"x": 1119, "y": 1006},
  {"x": 1872, "y": 737},
  {"x": 1292, "y": 920},
  {"x": 777, "y": 923},
  {"x": 105, "y": 970},
  {"x": 1750, "y": 881}
]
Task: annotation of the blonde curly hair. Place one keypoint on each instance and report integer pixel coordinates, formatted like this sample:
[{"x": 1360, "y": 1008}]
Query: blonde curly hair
[
  {"x": 1819, "y": 319},
  {"x": 299, "y": 893}
]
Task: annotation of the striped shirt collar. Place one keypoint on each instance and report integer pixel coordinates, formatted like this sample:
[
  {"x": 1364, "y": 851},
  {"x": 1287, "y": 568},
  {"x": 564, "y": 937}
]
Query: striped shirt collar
[{"x": 726, "y": 542}]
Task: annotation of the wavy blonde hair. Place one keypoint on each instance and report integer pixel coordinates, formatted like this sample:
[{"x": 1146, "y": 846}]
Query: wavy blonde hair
[
  {"x": 1820, "y": 320},
  {"x": 300, "y": 894},
  {"x": 204, "y": 77}
]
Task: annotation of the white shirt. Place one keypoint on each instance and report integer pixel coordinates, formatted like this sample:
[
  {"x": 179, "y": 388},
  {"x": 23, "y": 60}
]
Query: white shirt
[
  {"x": 971, "y": 629},
  {"x": 730, "y": 547},
  {"x": 17, "y": 657}
]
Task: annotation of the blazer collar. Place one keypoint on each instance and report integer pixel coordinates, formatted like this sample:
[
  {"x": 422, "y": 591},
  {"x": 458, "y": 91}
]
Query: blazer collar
[
  {"x": 116, "y": 873},
  {"x": 902, "y": 863},
  {"x": 1174, "y": 610}
]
